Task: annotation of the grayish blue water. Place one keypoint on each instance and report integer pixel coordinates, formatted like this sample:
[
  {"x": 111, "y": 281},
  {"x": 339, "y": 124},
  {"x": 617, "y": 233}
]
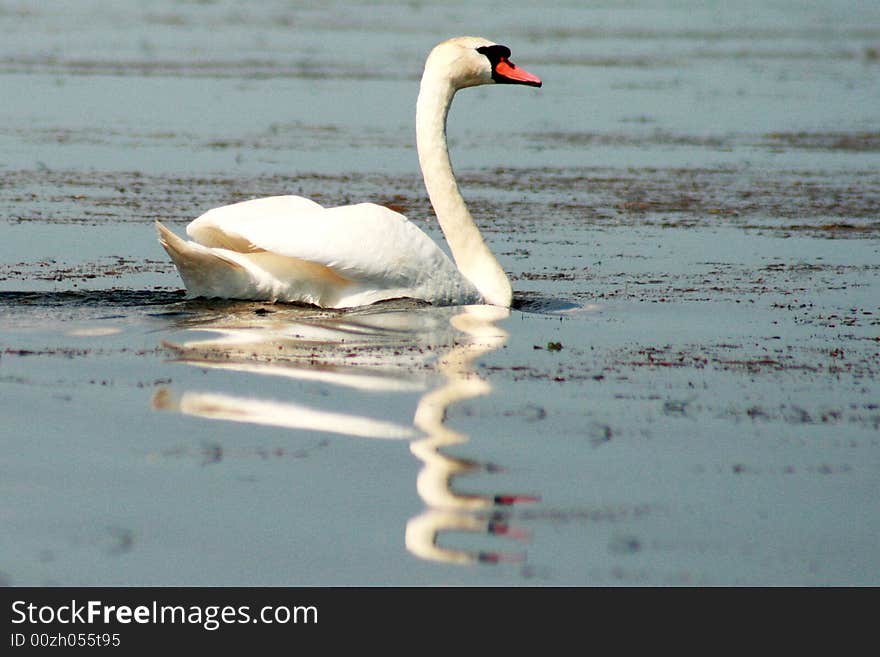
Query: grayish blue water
[{"x": 685, "y": 393}]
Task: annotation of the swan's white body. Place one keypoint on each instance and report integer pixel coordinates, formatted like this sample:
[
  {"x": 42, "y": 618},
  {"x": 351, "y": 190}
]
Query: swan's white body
[
  {"x": 291, "y": 249},
  {"x": 288, "y": 248}
]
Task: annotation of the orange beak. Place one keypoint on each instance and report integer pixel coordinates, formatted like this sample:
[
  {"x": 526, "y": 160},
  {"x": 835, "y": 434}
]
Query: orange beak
[{"x": 510, "y": 73}]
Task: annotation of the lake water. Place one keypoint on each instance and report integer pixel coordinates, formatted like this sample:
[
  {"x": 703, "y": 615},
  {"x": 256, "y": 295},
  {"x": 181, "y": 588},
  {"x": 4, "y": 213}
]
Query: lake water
[{"x": 686, "y": 391}]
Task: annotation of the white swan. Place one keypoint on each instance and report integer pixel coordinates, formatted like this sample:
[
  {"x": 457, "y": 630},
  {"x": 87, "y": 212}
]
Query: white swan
[{"x": 291, "y": 249}]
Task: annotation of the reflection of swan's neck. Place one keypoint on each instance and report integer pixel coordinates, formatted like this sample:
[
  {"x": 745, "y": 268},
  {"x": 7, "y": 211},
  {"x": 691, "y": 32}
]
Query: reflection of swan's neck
[
  {"x": 434, "y": 482},
  {"x": 472, "y": 256}
]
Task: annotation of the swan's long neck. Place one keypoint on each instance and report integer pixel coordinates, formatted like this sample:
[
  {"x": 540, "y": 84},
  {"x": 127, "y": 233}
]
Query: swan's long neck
[{"x": 474, "y": 259}]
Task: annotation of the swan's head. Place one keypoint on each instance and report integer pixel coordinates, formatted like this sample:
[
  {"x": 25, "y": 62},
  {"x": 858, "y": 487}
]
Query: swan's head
[{"x": 472, "y": 61}]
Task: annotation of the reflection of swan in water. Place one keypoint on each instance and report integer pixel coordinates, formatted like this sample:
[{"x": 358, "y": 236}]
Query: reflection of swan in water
[
  {"x": 333, "y": 348},
  {"x": 449, "y": 510},
  {"x": 378, "y": 348},
  {"x": 396, "y": 348},
  {"x": 279, "y": 414}
]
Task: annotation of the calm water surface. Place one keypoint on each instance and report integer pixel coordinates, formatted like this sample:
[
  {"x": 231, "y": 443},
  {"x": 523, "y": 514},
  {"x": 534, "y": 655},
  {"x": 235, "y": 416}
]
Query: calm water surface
[{"x": 686, "y": 391}]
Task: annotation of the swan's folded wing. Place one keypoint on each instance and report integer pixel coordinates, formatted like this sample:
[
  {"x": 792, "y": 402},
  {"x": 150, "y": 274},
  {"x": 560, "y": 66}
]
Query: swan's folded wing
[
  {"x": 223, "y": 227},
  {"x": 359, "y": 242}
]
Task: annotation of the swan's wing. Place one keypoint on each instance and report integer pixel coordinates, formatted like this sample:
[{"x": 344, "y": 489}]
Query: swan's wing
[{"x": 364, "y": 242}]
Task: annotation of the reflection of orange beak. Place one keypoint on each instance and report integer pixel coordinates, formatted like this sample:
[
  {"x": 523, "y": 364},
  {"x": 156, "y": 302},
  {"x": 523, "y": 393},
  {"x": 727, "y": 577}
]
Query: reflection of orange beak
[
  {"x": 510, "y": 73},
  {"x": 508, "y": 500}
]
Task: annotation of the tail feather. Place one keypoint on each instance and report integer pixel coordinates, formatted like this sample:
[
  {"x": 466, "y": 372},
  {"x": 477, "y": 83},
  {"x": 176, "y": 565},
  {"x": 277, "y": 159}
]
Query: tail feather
[
  {"x": 169, "y": 241},
  {"x": 209, "y": 271},
  {"x": 204, "y": 271}
]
